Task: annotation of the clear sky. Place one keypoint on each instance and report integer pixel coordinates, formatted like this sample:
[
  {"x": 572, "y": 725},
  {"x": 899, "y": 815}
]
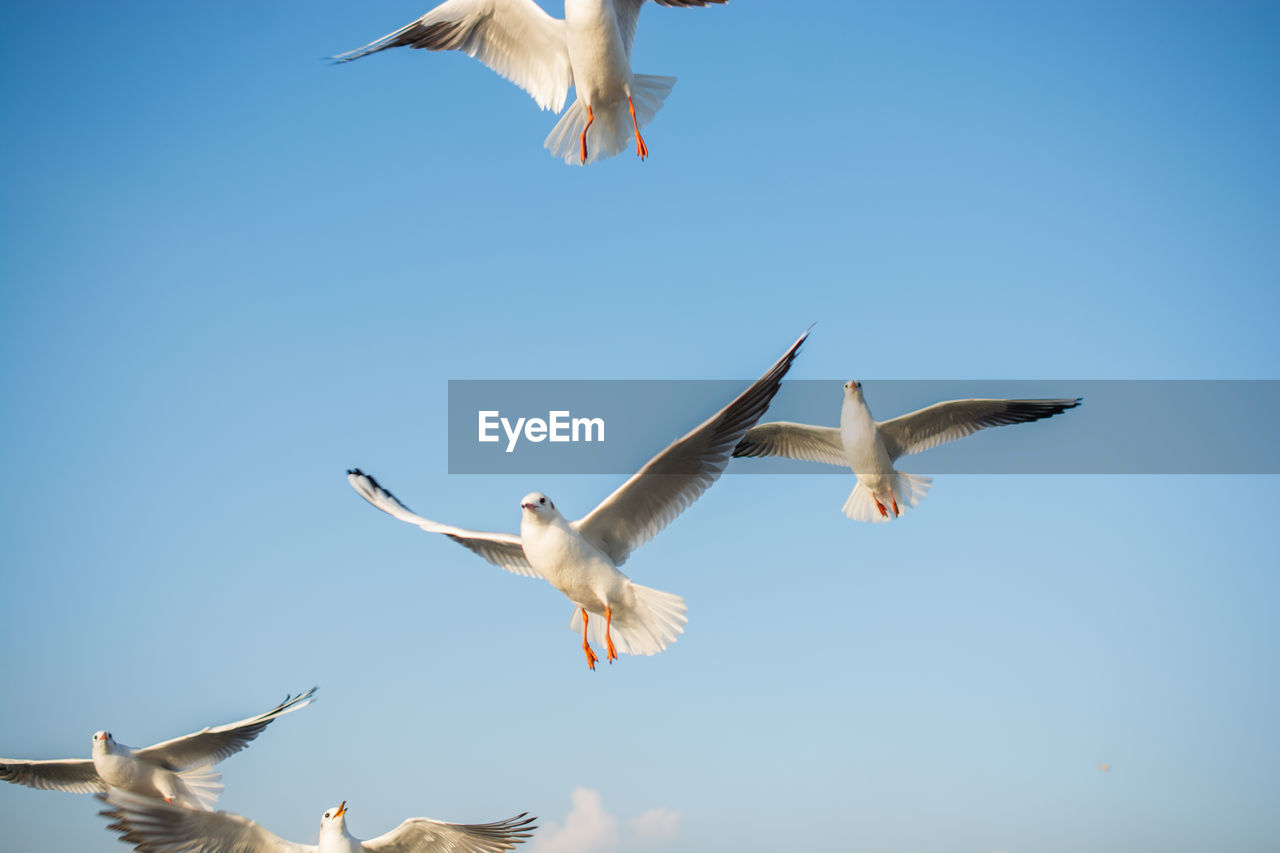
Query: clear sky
[{"x": 231, "y": 270}]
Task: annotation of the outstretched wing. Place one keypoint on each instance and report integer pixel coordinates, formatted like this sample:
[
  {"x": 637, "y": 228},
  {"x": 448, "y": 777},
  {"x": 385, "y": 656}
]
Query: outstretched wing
[
  {"x": 210, "y": 746},
  {"x": 794, "y": 441},
  {"x": 501, "y": 549},
  {"x": 677, "y": 476},
  {"x": 515, "y": 38},
  {"x": 628, "y": 12},
  {"x": 158, "y": 827},
  {"x": 63, "y": 774},
  {"x": 943, "y": 422},
  {"x": 420, "y": 835}
]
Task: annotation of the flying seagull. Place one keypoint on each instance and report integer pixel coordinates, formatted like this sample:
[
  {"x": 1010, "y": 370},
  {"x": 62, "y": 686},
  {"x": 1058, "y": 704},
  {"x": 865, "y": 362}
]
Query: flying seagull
[
  {"x": 157, "y": 828},
  {"x": 590, "y": 49},
  {"x": 870, "y": 447},
  {"x": 176, "y": 771},
  {"x": 581, "y": 558}
]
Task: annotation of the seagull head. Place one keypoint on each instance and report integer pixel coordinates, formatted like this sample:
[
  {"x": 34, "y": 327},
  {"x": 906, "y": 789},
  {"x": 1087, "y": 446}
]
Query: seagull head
[
  {"x": 853, "y": 390},
  {"x": 102, "y": 741},
  {"x": 335, "y": 820},
  {"x": 538, "y": 504}
]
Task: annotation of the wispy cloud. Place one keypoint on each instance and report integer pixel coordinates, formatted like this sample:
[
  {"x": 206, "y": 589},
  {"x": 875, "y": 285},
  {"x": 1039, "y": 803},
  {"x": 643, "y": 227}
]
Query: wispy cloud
[
  {"x": 657, "y": 826},
  {"x": 588, "y": 828}
]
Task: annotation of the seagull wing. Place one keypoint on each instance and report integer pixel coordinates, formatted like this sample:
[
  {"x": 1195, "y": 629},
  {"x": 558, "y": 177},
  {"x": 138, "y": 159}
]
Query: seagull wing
[
  {"x": 158, "y": 827},
  {"x": 501, "y": 549},
  {"x": 943, "y": 422},
  {"x": 628, "y": 13},
  {"x": 63, "y": 774},
  {"x": 677, "y": 476},
  {"x": 515, "y": 38},
  {"x": 420, "y": 835},
  {"x": 209, "y": 746},
  {"x": 794, "y": 441}
]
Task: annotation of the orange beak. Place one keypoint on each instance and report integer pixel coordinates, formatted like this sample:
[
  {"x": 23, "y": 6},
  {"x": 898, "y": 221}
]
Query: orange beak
[{"x": 342, "y": 809}]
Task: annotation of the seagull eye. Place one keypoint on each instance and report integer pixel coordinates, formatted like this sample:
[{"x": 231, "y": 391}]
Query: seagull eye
[
  {"x": 542, "y": 500},
  {"x": 326, "y": 815}
]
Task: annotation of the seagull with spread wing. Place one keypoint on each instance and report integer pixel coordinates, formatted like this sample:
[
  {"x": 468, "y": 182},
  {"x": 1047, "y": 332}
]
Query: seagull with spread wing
[
  {"x": 581, "y": 558},
  {"x": 157, "y": 828},
  {"x": 176, "y": 771},
  {"x": 589, "y": 49},
  {"x": 870, "y": 447}
]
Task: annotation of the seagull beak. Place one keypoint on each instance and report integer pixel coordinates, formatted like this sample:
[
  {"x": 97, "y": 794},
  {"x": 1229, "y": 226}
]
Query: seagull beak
[
  {"x": 342, "y": 809},
  {"x": 527, "y": 506}
]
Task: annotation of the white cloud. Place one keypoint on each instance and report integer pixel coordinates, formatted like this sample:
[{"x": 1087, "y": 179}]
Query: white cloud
[
  {"x": 588, "y": 828},
  {"x": 657, "y": 826}
]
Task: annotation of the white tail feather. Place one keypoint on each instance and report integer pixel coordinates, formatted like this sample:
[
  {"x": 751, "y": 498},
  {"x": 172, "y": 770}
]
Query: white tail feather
[
  {"x": 611, "y": 132},
  {"x": 908, "y": 490},
  {"x": 655, "y": 622},
  {"x": 201, "y": 787}
]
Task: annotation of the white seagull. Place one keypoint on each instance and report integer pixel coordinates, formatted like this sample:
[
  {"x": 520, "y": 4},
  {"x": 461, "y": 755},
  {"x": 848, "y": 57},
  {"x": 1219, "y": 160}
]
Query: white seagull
[
  {"x": 590, "y": 49},
  {"x": 157, "y": 828},
  {"x": 581, "y": 558},
  {"x": 176, "y": 771},
  {"x": 870, "y": 447}
]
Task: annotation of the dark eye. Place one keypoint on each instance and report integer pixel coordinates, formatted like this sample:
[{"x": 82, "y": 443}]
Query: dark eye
[
  {"x": 326, "y": 814},
  {"x": 542, "y": 500}
]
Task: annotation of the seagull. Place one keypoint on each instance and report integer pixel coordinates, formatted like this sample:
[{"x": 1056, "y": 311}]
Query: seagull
[
  {"x": 581, "y": 558},
  {"x": 157, "y": 828},
  {"x": 589, "y": 49},
  {"x": 870, "y": 447},
  {"x": 176, "y": 771}
]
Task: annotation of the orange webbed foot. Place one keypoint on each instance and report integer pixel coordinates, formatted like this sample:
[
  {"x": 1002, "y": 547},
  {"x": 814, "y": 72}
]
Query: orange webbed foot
[
  {"x": 610, "y": 652},
  {"x": 582, "y": 140},
  {"x": 586, "y": 647},
  {"x": 642, "y": 150}
]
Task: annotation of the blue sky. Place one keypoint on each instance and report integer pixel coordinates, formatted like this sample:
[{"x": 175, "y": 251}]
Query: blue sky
[{"x": 231, "y": 270}]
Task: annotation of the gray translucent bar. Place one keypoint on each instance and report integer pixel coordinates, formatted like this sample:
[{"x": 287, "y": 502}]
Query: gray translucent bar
[{"x": 1122, "y": 426}]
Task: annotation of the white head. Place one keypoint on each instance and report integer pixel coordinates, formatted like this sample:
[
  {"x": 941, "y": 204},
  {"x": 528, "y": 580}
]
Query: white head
[
  {"x": 103, "y": 741},
  {"x": 853, "y": 391},
  {"x": 335, "y": 820},
  {"x": 539, "y": 506}
]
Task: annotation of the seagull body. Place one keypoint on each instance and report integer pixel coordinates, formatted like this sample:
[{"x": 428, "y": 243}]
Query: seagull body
[
  {"x": 869, "y": 447},
  {"x": 158, "y": 828},
  {"x": 176, "y": 771},
  {"x": 581, "y": 558},
  {"x": 589, "y": 49}
]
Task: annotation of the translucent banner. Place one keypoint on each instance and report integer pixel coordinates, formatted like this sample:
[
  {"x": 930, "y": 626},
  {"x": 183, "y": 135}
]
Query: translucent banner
[{"x": 1120, "y": 427}]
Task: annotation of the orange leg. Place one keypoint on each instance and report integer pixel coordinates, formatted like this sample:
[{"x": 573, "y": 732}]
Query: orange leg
[
  {"x": 880, "y": 506},
  {"x": 586, "y": 647},
  {"x": 611, "y": 653},
  {"x": 894, "y": 498},
  {"x": 642, "y": 150},
  {"x": 591, "y": 117}
]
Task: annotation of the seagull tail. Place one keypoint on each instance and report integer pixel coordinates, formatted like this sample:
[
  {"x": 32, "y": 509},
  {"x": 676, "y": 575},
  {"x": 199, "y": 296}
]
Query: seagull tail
[
  {"x": 653, "y": 623},
  {"x": 908, "y": 490},
  {"x": 611, "y": 132},
  {"x": 200, "y": 787}
]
